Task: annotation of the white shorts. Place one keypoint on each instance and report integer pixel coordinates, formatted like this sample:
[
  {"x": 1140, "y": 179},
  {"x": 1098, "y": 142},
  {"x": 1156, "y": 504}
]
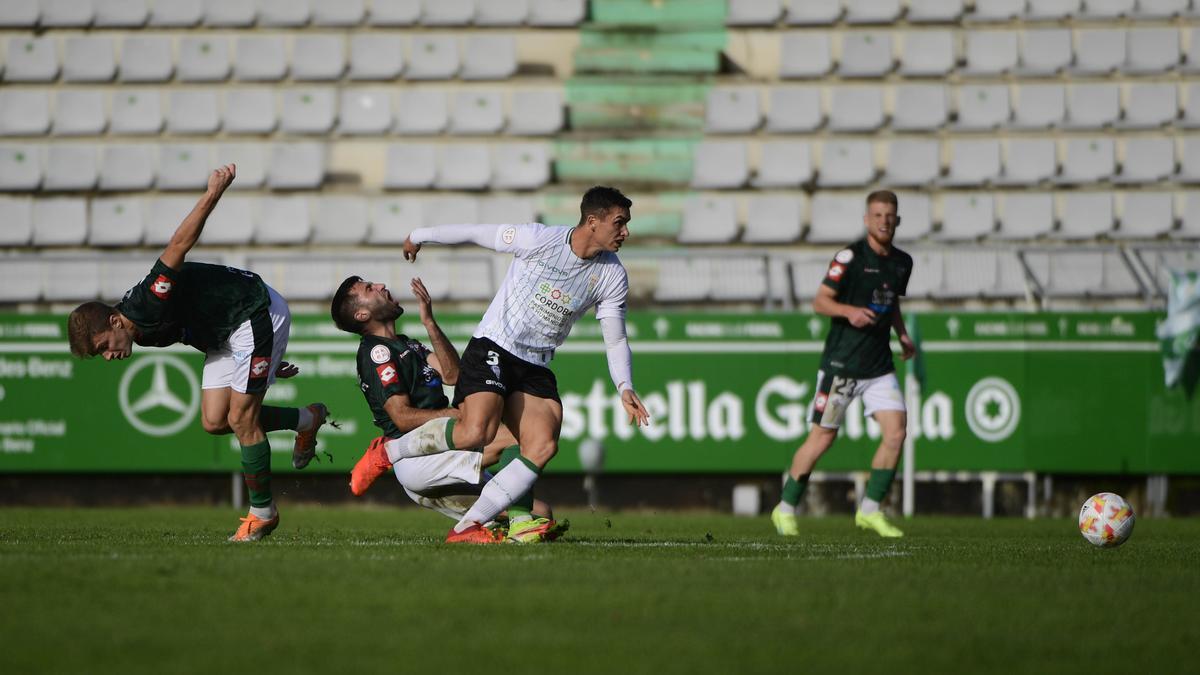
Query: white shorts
[
  {"x": 834, "y": 394},
  {"x": 247, "y": 361},
  {"x": 433, "y": 474}
]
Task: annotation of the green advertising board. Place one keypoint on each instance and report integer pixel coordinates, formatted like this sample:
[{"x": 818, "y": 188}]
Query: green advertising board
[{"x": 727, "y": 393}]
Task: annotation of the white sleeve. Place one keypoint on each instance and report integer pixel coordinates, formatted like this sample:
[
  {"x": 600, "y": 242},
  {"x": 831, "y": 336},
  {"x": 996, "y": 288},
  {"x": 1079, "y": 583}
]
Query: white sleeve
[
  {"x": 620, "y": 359},
  {"x": 616, "y": 290},
  {"x": 517, "y": 239}
]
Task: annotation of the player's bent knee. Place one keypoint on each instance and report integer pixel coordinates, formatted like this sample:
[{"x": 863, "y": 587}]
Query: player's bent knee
[
  {"x": 469, "y": 434},
  {"x": 216, "y": 426},
  {"x": 540, "y": 453}
]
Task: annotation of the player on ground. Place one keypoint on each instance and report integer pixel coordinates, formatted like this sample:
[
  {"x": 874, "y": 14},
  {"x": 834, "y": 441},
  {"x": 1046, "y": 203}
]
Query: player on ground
[
  {"x": 402, "y": 382},
  {"x": 240, "y": 324},
  {"x": 557, "y": 274},
  {"x": 861, "y": 293}
]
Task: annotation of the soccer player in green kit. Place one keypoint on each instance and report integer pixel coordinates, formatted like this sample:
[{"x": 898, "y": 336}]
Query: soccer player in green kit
[
  {"x": 861, "y": 295},
  {"x": 240, "y": 324}
]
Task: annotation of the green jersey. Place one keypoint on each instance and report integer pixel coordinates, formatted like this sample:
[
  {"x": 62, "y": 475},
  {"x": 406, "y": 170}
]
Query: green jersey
[
  {"x": 863, "y": 278},
  {"x": 388, "y": 368},
  {"x": 198, "y": 304}
]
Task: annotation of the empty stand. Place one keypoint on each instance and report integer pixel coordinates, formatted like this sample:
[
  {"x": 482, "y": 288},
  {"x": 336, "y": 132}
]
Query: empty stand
[
  {"x": 24, "y": 112},
  {"x": 802, "y": 55},
  {"x": 990, "y": 52},
  {"x": 916, "y": 216},
  {"x": 739, "y": 279},
  {"x": 422, "y": 111},
  {"x": 1145, "y": 215},
  {"x": 116, "y": 221},
  {"x": 774, "y": 219},
  {"x": 432, "y": 57},
  {"x": 719, "y": 164},
  {"x": 463, "y": 166},
  {"x": 71, "y": 166},
  {"x": 1028, "y": 161},
  {"x": 283, "y": 220},
  {"x": 535, "y": 112},
  {"x": 1147, "y": 160},
  {"x": 31, "y": 59},
  {"x": 919, "y": 107},
  {"x": 797, "y": 109},
  {"x": 973, "y": 162},
  {"x": 845, "y": 163},
  {"x": 856, "y": 109},
  {"x": 1084, "y": 215},
  {"x": 732, "y": 110},
  {"x": 1087, "y": 160},
  {"x": 708, "y": 219},
  {"x": 1026, "y": 215},
  {"x": 912, "y": 163},
  {"x": 927, "y": 53},
  {"x": 1092, "y": 106},
  {"x": 410, "y": 166},
  {"x": 376, "y": 56},
  {"x": 489, "y": 57},
  {"x": 204, "y": 58},
  {"x": 520, "y": 166},
  {"x": 982, "y": 107},
  {"x": 16, "y": 221},
  {"x": 250, "y": 110},
  {"x": 364, "y": 110},
  {"x": 89, "y": 59},
  {"x": 296, "y": 166},
  {"x": 127, "y": 167},
  {"x": 318, "y": 57},
  {"x": 1039, "y": 106},
  {"x": 392, "y": 218},
  {"x": 836, "y": 218},
  {"x": 59, "y": 221},
  {"x": 1099, "y": 51},
  {"x": 866, "y": 54},
  {"x": 784, "y": 164},
  {"x": 1149, "y": 105},
  {"x": 476, "y": 112},
  {"x": 967, "y": 216},
  {"x": 1045, "y": 51},
  {"x": 146, "y": 58},
  {"x": 311, "y": 110}
]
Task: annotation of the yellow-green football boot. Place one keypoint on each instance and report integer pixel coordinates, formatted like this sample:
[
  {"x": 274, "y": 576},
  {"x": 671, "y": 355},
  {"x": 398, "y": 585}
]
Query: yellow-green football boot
[
  {"x": 784, "y": 521},
  {"x": 878, "y": 522}
]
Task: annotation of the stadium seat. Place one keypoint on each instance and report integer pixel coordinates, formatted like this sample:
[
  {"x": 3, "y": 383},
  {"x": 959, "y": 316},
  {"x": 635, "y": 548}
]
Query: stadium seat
[
  {"x": 146, "y": 59},
  {"x": 204, "y": 58},
  {"x": 116, "y": 221},
  {"x": 866, "y": 54},
  {"x": 283, "y": 13},
  {"x": 520, "y": 166},
  {"x": 1191, "y": 108},
  {"x": 1160, "y": 9},
  {"x": 71, "y": 166},
  {"x": 489, "y": 57},
  {"x": 59, "y": 221},
  {"x": 376, "y": 56},
  {"x": 1147, "y": 160},
  {"x": 1050, "y": 10},
  {"x": 719, "y": 164},
  {"x": 1189, "y": 164},
  {"x": 774, "y": 219},
  {"x": 802, "y": 55},
  {"x": 79, "y": 281},
  {"x": 451, "y": 211},
  {"x": 475, "y": 111},
  {"x": 283, "y": 220},
  {"x": 16, "y": 222},
  {"x": 79, "y": 112},
  {"x": 410, "y": 166},
  {"x": 846, "y": 163},
  {"x": 1099, "y": 51},
  {"x": 394, "y": 12},
  {"x": 1083, "y": 273},
  {"x": 164, "y": 215},
  {"x": 1039, "y": 106},
  {"x": 872, "y": 11},
  {"x": 392, "y": 218},
  {"x": 1149, "y": 105},
  {"x": 318, "y": 57},
  {"x": 67, "y": 13},
  {"x": 967, "y": 216},
  {"x": 193, "y": 111},
  {"x": 919, "y": 107},
  {"x": 338, "y": 13},
  {"x": 535, "y": 112},
  {"x": 991, "y": 52},
  {"x": 296, "y": 166},
  {"x": 967, "y": 274},
  {"x": 136, "y": 111},
  {"x": 796, "y": 109},
  {"x": 1029, "y": 161},
  {"x": 1092, "y": 106},
  {"x": 1026, "y": 215},
  {"x": 176, "y": 13},
  {"x": 19, "y": 14},
  {"x": 310, "y": 110},
  {"x": 24, "y": 112},
  {"x": 856, "y": 109},
  {"x": 997, "y": 10},
  {"x": 365, "y": 111},
  {"x": 982, "y": 106},
  {"x": 1085, "y": 215},
  {"x": 732, "y": 110},
  {"x": 20, "y": 167},
  {"x": 118, "y": 275},
  {"x": 1087, "y": 160},
  {"x": 741, "y": 279},
  {"x": 1191, "y": 60},
  {"x": 1189, "y": 227},
  {"x": 912, "y": 163},
  {"x": 121, "y": 13},
  {"x": 31, "y": 59},
  {"x": 1106, "y": 9},
  {"x": 249, "y": 111},
  {"x": 260, "y": 58},
  {"x": 973, "y": 162},
  {"x": 251, "y": 162},
  {"x": 501, "y": 12},
  {"x": 807, "y": 273},
  {"x": 184, "y": 167},
  {"x": 232, "y": 222},
  {"x": 1045, "y": 51},
  {"x": 463, "y": 166},
  {"x": 753, "y": 12},
  {"x": 836, "y": 218},
  {"x": 88, "y": 59},
  {"x": 1151, "y": 50},
  {"x": 422, "y": 111},
  {"x": 432, "y": 57},
  {"x": 447, "y": 12},
  {"x": 557, "y": 12},
  {"x": 934, "y": 11},
  {"x": 927, "y": 53},
  {"x": 507, "y": 209},
  {"x": 683, "y": 280},
  {"x": 127, "y": 167},
  {"x": 1010, "y": 277},
  {"x": 1145, "y": 215},
  {"x": 314, "y": 280},
  {"x": 232, "y": 13},
  {"x": 708, "y": 219},
  {"x": 470, "y": 279},
  {"x": 784, "y": 164}
]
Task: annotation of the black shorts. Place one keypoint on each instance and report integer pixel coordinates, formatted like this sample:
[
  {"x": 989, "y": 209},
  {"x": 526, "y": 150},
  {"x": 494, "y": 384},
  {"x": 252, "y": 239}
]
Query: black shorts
[{"x": 486, "y": 366}]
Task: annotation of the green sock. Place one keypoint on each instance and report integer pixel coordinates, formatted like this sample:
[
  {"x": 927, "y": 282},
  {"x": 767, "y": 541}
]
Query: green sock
[
  {"x": 879, "y": 483},
  {"x": 274, "y": 419},
  {"x": 450, "y": 433},
  {"x": 793, "y": 489},
  {"x": 256, "y": 470},
  {"x": 524, "y": 505}
]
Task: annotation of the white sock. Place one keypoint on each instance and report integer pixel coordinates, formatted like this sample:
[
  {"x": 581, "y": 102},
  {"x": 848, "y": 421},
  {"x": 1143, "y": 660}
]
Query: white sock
[
  {"x": 786, "y": 508},
  {"x": 429, "y": 438},
  {"x": 264, "y": 512},
  {"x": 306, "y": 419},
  {"x": 868, "y": 506},
  {"x": 501, "y": 491},
  {"x": 397, "y": 448}
]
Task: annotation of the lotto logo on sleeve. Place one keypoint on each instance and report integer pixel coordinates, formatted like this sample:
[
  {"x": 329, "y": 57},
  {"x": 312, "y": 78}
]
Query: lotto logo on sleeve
[
  {"x": 836, "y": 270},
  {"x": 161, "y": 287},
  {"x": 259, "y": 366},
  {"x": 387, "y": 374}
]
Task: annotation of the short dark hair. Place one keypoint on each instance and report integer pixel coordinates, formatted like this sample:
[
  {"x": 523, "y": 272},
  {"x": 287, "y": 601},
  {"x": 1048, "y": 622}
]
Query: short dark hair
[
  {"x": 84, "y": 324},
  {"x": 883, "y": 197},
  {"x": 598, "y": 200},
  {"x": 344, "y": 304}
]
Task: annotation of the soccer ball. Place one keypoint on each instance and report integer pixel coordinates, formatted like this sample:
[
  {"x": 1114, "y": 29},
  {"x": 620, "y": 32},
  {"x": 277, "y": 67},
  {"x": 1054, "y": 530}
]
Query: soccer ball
[{"x": 1106, "y": 520}]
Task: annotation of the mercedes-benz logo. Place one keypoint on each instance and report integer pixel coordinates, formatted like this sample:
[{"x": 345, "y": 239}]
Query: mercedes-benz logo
[
  {"x": 160, "y": 395},
  {"x": 993, "y": 409}
]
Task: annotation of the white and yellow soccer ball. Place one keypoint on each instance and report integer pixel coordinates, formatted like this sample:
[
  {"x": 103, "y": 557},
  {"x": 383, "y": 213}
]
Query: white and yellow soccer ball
[{"x": 1106, "y": 520}]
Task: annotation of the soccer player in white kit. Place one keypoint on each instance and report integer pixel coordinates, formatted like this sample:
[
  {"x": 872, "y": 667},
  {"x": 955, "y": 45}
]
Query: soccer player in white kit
[{"x": 557, "y": 274}]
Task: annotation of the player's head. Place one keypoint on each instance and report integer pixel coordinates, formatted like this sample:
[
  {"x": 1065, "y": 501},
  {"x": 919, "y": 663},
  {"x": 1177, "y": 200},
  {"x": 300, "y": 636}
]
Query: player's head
[
  {"x": 358, "y": 303},
  {"x": 604, "y": 213},
  {"x": 881, "y": 219},
  {"x": 96, "y": 328}
]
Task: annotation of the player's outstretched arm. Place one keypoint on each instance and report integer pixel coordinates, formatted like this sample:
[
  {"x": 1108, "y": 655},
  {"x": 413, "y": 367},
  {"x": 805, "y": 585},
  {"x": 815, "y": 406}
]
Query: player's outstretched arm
[
  {"x": 495, "y": 237},
  {"x": 188, "y": 232},
  {"x": 907, "y": 348},
  {"x": 447, "y": 355}
]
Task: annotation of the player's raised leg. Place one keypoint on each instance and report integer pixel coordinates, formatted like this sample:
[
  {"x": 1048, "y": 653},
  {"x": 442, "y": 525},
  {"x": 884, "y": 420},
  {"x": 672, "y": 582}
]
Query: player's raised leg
[{"x": 892, "y": 423}]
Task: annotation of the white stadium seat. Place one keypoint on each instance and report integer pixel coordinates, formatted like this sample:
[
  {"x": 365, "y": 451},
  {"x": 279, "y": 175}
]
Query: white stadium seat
[
  {"x": 1190, "y": 119},
  {"x": 184, "y": 167},
  {"x": 784, "y": 164},
  {"x": 1049, "y": 10},
  {"x": 813, "y": 12},
  {"x": 973, "y": 162},
  {"x": 394, "y": 12},
  {"x": 967, "y": 216},
  {"x": 1189, "y": 161},
  {"x": 422, "y": 111},
  {"x": 451, "y": 211},
  {"x": 392, "y": 218},
  {"x": 1092, "y": 106},
  {"x": 683, "y": 280},
  {"x": 310, "y": 110},
  {"x": 732, "y": 110},
  {"x": 997, "y": 10},
  {"x": 447, "y": 12},
  {"x": 557, "y": 12},
  {"x": 535, "y": 112},
  {"x": 116, "y": 221},
  {"x": 990, "y": 52},
  {"x": 1085, "y": 215},
  {"x": 1045, "y": 51},
  {"x": 121, "y": 13},
  {"x": 872, "y": 11},
  {"x": 251, "y": 161},
  {"x": 1099, "y": 51},
  {"x": 67, "y": 13},
  {"x": 1149, "y": 105},
  {"x": 1029, "y": 161},
  {"x": 1039, "y": 106},
  {"x": 283, "y": 220},
  {"x": 232, "y": 222},
  {"x": 59, "y": 221},
  {"x": 1152, "y": 50},
  {"x": 79, "y": 112},
  {"x": 919, "y": 107},
  {"x": 708, "y": 219},
  {"x": 249, "y": 111},
  {"x": 463, "y": 166},
  {"x": 967, "y": 274},
  {"x": 1087, "y": 160},
  {"x": 836, "y": 218},
  {"x": 19, "y": 14},
  {"x": 774, "y": 219},
  {"x": 118, "y": 275},
  {"x": 1189, "y": 227},
  {"x": 927, "y": 53},
  {"x": 739, "y": 279},
  {"x": 318, "y": 57},
  {"x": 1191, "y": 60},
  {"x": 753, "y": 12},
  {"x": 127, "y": 167},
  {"x": 912, "y": 163},
  {"x": 432, "y": 57},
  {"x": 1106, "y": 9},
  {"x": 1146, "y": 215},
  {"x": 982, "y": 106},
  {"x": 476, "y": 111},
  {"x": 376, "y": 56},
  {"x": 916, "y": 216},
  {"x": 260, "y": 58},
  {"x": 338, "y": 12},
  {"x": 1086, "y": 273},
  {"x": 24, "y": 112},
  {"x": 846, "y": 163},
  {"x": 470, "y": 279},
  {"x": 136, "y": 111},
  {"x": 75, "y": 282},
  {"x": 193, "y": 111},
  {"x": 146, "y": 59},
  {"x": 16, "y": 222},
  {"x": 866, "y": 54},
  {"x": 365, "y": 111},
  {"x": 804, "y": 55},
  {"x": 1160, "y": 9},
  {"x": 204, "y": 58},
  {"x": 176, "y": 13},
  {"x": 88, "y": 59},
  {"x": 1147, "y": 160},
  {"x": 489, "y": 57},
  {"x": 719, "y": 164},
  {"x": 164, "y": 215},
  {"x": 31, "y": 59},
  {"x": 507, "y": 209},
  {"x": 501, "y": 12},
  {"x": 1026, "y": 215},
  {"x": 520, "y": 166},
  {"x": 794, "y": 108},
  {"x": 71, "y": 166},
  {"x": 296, "y": 166},
  {"x": 283, "y": 13},
  {"x": 20, "y": 167},
  {"x": 934, "y": 11},
  {"x": 856, "y": 109}
]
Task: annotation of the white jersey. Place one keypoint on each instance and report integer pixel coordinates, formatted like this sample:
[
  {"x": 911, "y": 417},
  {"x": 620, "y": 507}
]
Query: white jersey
[{"x": 547, "y": 288}]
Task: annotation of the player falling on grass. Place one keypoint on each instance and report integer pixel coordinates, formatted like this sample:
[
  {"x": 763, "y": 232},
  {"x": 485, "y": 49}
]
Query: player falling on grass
[
  {"x": 557, "y": 274},
  {"x": 240, "y": 324},
  {"x": 402, "y": 382},
  {"x": 861, "y": 294}
]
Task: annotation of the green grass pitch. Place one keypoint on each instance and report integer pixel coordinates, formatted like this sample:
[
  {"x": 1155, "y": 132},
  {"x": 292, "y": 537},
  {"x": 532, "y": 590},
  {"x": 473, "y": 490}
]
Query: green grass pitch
[{"x": 158, "y": 590}]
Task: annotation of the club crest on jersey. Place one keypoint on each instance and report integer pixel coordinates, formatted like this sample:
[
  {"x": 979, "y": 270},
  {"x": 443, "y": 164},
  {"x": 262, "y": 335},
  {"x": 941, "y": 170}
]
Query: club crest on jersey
[
  {"x": 844, "y": 256},
  {"x": 387, "y": 374},
  {"x": 161, "y": 287},
  {"x": 381, "y": 354},
  {"x": 836, "y": 270},
  {"x": 259, "y": 365}
]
